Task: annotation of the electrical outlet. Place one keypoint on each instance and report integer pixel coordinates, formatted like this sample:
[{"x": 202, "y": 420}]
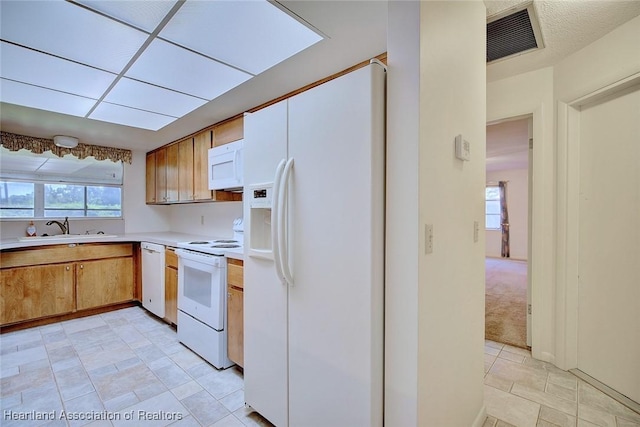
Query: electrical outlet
[
  {"x": 201, "y": 219},
  {"x": 428, "y": 238},
  {"x": 476, "y": 231}
]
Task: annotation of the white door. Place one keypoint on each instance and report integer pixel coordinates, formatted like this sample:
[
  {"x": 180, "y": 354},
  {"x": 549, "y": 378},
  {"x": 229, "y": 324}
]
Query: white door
[
  {"x": 265, "y": 298},
  {"x": 336, "y": 212},
  {"x": 609, "y": 242}
]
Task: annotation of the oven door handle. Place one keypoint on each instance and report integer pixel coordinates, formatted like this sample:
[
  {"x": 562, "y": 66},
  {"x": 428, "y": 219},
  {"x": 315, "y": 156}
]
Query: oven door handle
[{"x": 275, "y": 242}]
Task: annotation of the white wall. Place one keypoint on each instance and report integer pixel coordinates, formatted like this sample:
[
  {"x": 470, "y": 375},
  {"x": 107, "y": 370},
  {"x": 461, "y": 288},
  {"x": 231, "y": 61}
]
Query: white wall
[
  {"x": 451, "y": 198},
  {"x": 213, "y": 219},
  {"x": 517, "y": 205},
  {"x": 434, "y": 308},
  {"x": 138, "y": 216},
  {"x": 402, "y": 243},
  {"x": 522, "y": 95},
  {"x": 606, "y": 62}
]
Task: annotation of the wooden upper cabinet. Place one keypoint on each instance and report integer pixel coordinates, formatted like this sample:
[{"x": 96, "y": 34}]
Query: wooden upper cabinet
[
  {"x": 201, "y": 146},
  {"x": 178, "y": 173},
  {"x": 228, "y": 131},
  {"x": 185, "y": 170},
  {"x": 161, "y": 175},
  {"x": 172, "y": 173},
  {"x": 151, "y": 178},
  {"x": 166, "y": 174}
]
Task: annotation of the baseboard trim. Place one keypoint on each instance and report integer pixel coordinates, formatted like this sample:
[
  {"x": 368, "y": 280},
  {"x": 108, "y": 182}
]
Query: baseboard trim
[
  {"x": 480, "y": 418},
  {"x": 621, "y": 398}
]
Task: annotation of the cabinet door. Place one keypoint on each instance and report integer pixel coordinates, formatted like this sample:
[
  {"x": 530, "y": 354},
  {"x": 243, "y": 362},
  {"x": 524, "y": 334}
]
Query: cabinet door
[
  {"x": 185, "y": 170},
  {"x": 229, "y": 131},
  {"x": 151, "y": 178},
  {"x": 161, "y": 175},
  {"x": 37, "y": 291},
  {"x": 235, "y": 322},
  {"x": 201, "y": 146},
  {"x": 171, "y": 295},
  {"x": 104, "y": 282},
  {"x": 172, "y": 173}
]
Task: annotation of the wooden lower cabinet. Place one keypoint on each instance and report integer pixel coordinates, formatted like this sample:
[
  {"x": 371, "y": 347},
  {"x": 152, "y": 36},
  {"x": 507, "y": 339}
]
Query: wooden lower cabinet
[
  {"x": 171, "y": 286},
  {"x": 38, "y": 291},
  {"x": 61, "y": 279},
  {"x": 104, "y": 282},
  {"x": 235, "y": 311}
]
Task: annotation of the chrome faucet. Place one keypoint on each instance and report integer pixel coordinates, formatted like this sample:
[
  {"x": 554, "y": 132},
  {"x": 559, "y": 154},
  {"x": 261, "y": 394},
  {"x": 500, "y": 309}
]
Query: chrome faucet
[{"x": 64, "y": 226}]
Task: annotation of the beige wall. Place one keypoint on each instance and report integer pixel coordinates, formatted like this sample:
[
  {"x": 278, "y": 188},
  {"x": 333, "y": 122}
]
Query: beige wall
[
  {"x": 518, "y": 206},
  {"x": 608, "y": 60},
  {"x": 401, "y": 282},
  {"x": 451, "y": 199},
  {"x": 601, "y": 67},
  {"x": 522, "y": 95},
  {"x": 435, "y": 311}
]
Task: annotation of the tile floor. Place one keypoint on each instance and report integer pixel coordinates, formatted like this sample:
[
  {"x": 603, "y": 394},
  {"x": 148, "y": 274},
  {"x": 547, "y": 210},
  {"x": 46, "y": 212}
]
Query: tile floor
[
  {"x": 525, "y": 392},
  {"x": 128, "y": 367}
]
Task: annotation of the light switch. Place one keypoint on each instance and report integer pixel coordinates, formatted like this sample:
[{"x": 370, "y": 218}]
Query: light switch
[
  {"x": 428, "y": 238},
  {"x": 463, "y": 149}
]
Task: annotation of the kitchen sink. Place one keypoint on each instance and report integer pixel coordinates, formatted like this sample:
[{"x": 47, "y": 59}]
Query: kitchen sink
[{"x": 65, "y": 237}]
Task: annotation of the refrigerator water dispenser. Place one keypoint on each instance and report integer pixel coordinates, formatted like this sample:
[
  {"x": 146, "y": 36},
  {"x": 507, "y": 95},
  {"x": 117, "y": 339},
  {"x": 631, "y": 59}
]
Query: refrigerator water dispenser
[{"x": 260, "y": 203}]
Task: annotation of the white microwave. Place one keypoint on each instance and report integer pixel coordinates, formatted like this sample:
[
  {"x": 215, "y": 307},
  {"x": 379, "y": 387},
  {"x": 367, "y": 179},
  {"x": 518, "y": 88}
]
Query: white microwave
[{"x": 225, "y": 166}]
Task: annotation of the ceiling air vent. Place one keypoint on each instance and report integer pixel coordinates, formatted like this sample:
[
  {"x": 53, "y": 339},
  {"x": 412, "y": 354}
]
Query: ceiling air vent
[{"x": 512, "y": 33}]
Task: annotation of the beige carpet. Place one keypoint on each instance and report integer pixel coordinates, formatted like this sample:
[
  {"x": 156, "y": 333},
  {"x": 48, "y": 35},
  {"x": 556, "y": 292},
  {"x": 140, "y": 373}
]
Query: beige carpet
[{"x": 506, "y": 301}]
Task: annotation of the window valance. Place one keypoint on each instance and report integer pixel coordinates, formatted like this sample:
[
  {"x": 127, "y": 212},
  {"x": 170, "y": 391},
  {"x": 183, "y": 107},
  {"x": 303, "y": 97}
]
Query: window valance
[{"x": 14, "y": 142}]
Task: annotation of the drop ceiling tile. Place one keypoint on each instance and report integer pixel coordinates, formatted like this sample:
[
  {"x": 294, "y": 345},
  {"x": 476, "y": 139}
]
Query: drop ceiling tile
[
  {"x": 112, "y": 113},
  {"x": 28, "y": 66},
  {"x": 132, "y": 93},
  {"x": 175, "y": 68},
  {"x": 250, "y": 35},
  {"x": 44, "y": 99},
  {"x": 145, "y": 15},
  {"x": 70, "y": 31}
]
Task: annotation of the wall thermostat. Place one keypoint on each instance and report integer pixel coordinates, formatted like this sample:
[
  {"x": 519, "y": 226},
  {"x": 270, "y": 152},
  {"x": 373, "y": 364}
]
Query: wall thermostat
[{"x": 463, "y": 151}]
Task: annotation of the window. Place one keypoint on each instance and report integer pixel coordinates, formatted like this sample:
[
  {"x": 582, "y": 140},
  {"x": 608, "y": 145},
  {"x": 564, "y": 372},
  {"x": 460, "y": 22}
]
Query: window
[
  {"x": 80, "y": 201},
  {"x": 492, "y": 207},
  {"x": 46, "y": 186},
  {"x": 16, "y": 199}
]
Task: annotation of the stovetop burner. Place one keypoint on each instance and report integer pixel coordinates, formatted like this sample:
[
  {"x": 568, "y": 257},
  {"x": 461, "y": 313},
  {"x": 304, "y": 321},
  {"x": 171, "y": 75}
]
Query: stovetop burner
[
  {"x": 225, "y": 241},
  {"x": 199, "y": 243},
  {"x": 225, "y": 246}
]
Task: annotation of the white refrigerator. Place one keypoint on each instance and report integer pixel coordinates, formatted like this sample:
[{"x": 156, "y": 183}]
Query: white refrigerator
[{"x": 314, "y": 254}]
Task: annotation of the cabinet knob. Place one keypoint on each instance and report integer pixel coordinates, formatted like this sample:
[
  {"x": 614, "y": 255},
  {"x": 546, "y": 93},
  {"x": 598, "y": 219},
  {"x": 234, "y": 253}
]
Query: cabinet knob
[
  {"x": 81, "y": 266},
  {"x": 68, "y": 268},
  {"x": 229, "y": 294}
]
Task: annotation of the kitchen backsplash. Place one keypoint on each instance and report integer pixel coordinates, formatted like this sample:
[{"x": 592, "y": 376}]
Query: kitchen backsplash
[
  {"x": 205, "y": 219},
  {"x": 14, "y": 228}
]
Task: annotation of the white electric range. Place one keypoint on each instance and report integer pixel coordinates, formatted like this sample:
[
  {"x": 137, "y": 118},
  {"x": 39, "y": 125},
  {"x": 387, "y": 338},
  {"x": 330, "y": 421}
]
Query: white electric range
[{"x": 202, "y": 302}]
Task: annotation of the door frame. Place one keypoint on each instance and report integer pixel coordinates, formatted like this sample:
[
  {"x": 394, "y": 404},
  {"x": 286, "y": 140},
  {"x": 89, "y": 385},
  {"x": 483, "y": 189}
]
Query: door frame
[
  {"x": 568, "y": 206},
  {"x": 529, "y": 118}
]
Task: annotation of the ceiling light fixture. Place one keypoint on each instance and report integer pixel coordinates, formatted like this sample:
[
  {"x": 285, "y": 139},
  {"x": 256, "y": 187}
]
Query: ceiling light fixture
[{"x": 65, "y": 141}]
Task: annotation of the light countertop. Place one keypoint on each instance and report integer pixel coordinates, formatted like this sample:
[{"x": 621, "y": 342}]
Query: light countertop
[{"x": 166, "y": 238}]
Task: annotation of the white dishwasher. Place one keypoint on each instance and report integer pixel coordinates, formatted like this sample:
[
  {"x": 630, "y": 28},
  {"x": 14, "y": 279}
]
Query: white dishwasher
[{"x": 153, "y": 278}]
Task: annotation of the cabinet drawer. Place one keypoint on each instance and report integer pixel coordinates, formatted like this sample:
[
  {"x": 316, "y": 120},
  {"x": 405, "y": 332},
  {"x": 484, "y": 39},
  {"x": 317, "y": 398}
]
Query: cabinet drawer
[
  {"x": 170, "y": 258},
  {"x": 235, "y": 273}
]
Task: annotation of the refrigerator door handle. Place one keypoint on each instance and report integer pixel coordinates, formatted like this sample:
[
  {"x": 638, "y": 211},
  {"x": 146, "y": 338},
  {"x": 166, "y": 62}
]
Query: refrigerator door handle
[
  {"x": 283, "y": 226},
  {"x": 275, "y": 247}
]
